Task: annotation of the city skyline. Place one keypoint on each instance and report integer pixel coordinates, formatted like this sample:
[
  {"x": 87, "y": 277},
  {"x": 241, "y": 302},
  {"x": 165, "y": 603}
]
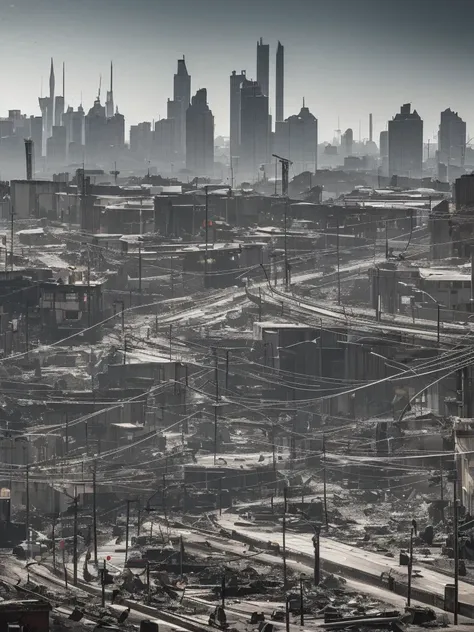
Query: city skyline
[{"x": 370, "y": 70}]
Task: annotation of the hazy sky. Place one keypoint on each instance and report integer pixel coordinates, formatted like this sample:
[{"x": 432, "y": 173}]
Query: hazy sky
[{"x": 346, "y": 57}]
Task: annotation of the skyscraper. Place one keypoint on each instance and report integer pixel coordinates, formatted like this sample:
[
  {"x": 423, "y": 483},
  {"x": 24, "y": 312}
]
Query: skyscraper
[
  {"x": 47, "y": 110},
  {"x": 254, "y": 128},
  {"x": 451, "y": 139},
  {"x": 263, "y": 67},
  {"x": 347, "y": 141},
  {"x": 405, "y": 144},
  {"x": 236, "y": 82},
  {"x": 109, "y": 103},
  {"x": 280, "y": 79},
  {"x": 296, "y": 138},
  {"x": 59, "y": 103},
  {"x": 200, "y": 135},
  {"x": 182, "y": 98},
  {"x": 383, "y": 144}
]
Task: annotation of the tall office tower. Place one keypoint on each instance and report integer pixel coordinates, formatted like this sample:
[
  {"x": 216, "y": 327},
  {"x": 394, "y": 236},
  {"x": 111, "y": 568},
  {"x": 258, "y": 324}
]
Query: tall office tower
[
  {"x": 405, "y": 144},
  {"x": 59, "y": 103},
  {"x": 163, "y": 140},
  {"x": 109, "y": 103},
  {"x": 181, "y": 96},
  {"x": 200, "y": 136},
  {"x": 56, "y": 146},
  {"x": 383, "y": 144},
  {"x": 280, "y": 83},
  {"x": 347, "y": 141},
  {"x": 141, "y": 139},
  {"x": 74, "y": 124},
  {"x": 263, "y": 67},
  {"x": 36, "y": 134},
  {"x": 236, "y": 82},
  {"x": 451, "y": 139},
  {"x": 95, "y": 124},
  {"x": 297, "y": 139},
  {"x": 47, "y": 109},
  {"x": 254, "y": 129},
  {"x": 371, "y": 129}
]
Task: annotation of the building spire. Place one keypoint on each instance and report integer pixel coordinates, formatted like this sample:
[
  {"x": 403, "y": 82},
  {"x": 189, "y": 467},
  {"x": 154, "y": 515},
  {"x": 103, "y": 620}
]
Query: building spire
[
  {"x": 64, "y": 82},
  {"x": 111, "y": 77},
  {"x": 51, "y": 80}
]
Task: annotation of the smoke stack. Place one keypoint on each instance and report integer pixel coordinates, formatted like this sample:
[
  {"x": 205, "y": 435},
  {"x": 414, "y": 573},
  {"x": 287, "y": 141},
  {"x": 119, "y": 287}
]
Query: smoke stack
[
  {"x": 371, "y": 128},
  {"x": 29, "y": 158}
]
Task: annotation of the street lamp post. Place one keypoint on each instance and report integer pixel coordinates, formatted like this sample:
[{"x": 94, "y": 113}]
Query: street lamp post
[{"x": 438, "y": 306}]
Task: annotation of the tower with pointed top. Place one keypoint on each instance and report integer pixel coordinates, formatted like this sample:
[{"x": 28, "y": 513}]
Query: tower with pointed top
[
  {"x": 50, "y": 121},
  {"x": 59, "y": 102},
  {"x": 109, "y": 104},
  {"x": 280, "y": 78}
]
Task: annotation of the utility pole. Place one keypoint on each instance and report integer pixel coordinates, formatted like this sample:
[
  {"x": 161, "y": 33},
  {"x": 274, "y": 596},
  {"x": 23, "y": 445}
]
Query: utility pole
[
  {"x": 139, "y": 267},
  {"x": 285, "y": 167},
  {"x": 325, "y": 483},
  {"x": 206, "y": 190},
  {"x": 216, "y": 404},
  {"x": 28, "y": 537},
  {"x": 27, "y": 327},
  {"x": 227, "y": 369},
  {"x": 338, "y": 264},
  {"x": 74, "y": 579},
  {"x": 171, "y": 351},
  {"x": 456, "y": 548},
  {"x": 410, "y": 568},
  {"x": 127, "y": 528},
  {"x": 301, "y": 602},
  {"x": 220, "y": 496},
  {"x": 438, "y": 322},
  {"x": 94, "y": 510},
  {"x": 317, "y": 555},
  {"x": 12, "y": 213},
  {"x": 285, "y": 583},
  {"x": 286, "y": 245},
  {"x": 53, "y": 537}
]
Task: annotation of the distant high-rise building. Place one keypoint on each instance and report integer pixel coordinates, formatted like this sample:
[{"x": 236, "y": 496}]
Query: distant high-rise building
[
  {"x": 163, "y": 138},
  {"x": 236, "y": 82},
  {"x": 296, "y": 138},
  {"x": 254, "y": 128},
  {"x": 451, "y": 139},
  {"x": 56, "y": 146},
  {"x": 36, "y": 134},
  {"x": 74, "y": 124},
  {"x": 141, "y": 139},
  {"x": 95, "y": 125},
  {"x": 383, "y": 144},
  {"x": 371, "y": 128},
  {"x": 109, "y": 103},
  {"x": 405, "y": 144},
  {"x": 200, "y": 135},
  {"x": 263, "y": 67},
  {"x": 47, "y": 109},
  {"x": 347, "y": 141},
  {"x": 280, "y": 83},
  {"x": 182, "y": 98},
  {"x": 59, "y": 102}
]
